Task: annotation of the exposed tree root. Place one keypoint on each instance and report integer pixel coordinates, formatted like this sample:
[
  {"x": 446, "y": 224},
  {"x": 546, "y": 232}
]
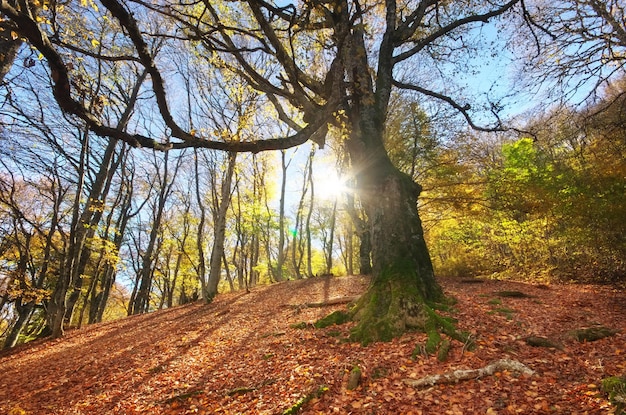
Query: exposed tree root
[
  {"x": 329, "y": 302},
  {"x": 591, "y": 334},
  {"x": 538, "y": 341},
  {"x": 466, "y": 374}
]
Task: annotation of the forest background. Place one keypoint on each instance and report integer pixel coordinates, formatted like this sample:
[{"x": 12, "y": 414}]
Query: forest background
[{"x": 543, "y": 201}]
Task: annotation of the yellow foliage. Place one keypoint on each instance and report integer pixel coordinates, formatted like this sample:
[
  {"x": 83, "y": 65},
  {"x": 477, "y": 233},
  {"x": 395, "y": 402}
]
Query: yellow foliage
[{"x": 17, "y": 411}]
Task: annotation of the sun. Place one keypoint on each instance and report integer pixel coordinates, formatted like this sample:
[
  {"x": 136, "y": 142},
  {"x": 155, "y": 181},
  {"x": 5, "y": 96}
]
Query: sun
[{"x": 329, "y": 185}]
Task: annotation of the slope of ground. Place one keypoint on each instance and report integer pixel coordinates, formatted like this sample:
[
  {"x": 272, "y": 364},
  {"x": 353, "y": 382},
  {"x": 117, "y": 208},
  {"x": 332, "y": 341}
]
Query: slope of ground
[{"x": 240, "y": 355}]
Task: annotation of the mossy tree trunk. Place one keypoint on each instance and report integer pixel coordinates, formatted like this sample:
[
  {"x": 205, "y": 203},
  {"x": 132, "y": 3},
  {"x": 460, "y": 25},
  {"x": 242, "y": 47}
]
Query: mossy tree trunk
[{"x": 403, "y": 282}]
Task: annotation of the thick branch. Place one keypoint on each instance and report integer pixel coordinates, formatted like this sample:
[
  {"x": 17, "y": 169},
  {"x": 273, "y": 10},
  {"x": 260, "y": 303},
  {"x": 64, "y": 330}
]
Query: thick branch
[
  {"x": 130, "y": 24},
  {"x": 29, "y": 29}
]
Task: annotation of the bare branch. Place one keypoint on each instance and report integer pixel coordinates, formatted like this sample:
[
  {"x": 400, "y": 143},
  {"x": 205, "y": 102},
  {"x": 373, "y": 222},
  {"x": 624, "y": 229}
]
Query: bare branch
[
  {"x": 422, "y": 43},
  {"x": 463, "y": 109}
]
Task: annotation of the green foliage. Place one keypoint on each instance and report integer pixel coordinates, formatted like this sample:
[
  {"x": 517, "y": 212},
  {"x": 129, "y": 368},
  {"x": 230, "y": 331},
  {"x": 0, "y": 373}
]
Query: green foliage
[
  {"x": 551, "y": 207},
  {"x": 615, "y": 387}
]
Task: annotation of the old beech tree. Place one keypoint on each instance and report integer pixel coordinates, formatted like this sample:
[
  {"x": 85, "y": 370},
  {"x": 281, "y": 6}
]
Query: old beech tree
[{"x": 320, "y": 64}]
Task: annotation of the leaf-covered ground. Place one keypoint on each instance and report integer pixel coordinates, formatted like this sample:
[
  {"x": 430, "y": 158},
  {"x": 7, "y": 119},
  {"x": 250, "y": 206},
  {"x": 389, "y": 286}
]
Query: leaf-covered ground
[{"x": 241, "y": 355}]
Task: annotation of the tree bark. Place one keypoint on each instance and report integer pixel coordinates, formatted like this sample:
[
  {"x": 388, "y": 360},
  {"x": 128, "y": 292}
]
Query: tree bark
[
  {"x": 331, "y": 239},
  {"x": 200, "y": 230},
  {"x": 307, "y": 226},
  {"x": 10, "y": 44},
  {"x": 220, "y": 231},
  {"x": 403, "y": 282},
  {"x": 403, "y": 278},
  {"x": 280, "y": 260}
]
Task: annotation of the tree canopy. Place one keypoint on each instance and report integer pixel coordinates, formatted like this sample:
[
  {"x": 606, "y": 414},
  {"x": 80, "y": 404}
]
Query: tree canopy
[{"x": 385, "y": 82}]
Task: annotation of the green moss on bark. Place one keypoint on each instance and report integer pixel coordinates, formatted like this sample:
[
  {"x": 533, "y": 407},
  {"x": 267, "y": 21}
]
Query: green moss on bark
[
  {"x": 433, "y": 342},
  {"x": 395, "y": 303},
  {"x": 354, "y": 379},
  {"x": 444, "y": 349},
  {"x": 336, "y": 317}
]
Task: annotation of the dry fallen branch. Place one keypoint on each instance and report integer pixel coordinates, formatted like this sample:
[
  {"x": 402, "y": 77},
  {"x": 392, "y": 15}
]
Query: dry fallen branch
[
  {"x": 466, "y": 374},
  {"x": 329, "y": 302}
]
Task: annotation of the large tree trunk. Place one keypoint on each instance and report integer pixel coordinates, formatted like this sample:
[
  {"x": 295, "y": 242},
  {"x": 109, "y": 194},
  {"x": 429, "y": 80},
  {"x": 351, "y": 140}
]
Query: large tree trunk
[
  {"x": 24, "y": 311},
  {"x": 403, "y": 280}
]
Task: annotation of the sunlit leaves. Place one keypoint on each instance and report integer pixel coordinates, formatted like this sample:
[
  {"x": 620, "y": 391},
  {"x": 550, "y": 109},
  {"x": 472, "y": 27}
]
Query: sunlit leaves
[
  {"x": 23, "y": 291},
  {"x": 553, "y": 204}
]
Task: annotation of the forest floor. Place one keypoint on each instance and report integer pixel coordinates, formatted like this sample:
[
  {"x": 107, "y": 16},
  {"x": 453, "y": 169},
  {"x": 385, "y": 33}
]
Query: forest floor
[{"x": 241, "y": 355}]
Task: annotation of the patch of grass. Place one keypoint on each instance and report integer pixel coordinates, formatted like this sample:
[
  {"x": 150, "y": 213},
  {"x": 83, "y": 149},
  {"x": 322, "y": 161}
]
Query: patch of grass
[
  {"x": 495, "y": 301},
  {"x": 591, "y": 334},
  {"x": 379, "y": 372},
  {"x": 512, "y": 294}
]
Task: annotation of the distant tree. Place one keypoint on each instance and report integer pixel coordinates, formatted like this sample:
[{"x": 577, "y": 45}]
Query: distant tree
[
  {"x": 165, "y": 179},
  {"x": 29, "y": 249},
  {"x": 220, "y": 210}
]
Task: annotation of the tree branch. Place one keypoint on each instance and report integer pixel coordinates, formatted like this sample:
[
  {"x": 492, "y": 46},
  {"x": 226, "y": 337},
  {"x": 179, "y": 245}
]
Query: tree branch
[
  {"x": 463, "y": 109},
  {"x": 59, "y": 73},
  {"x": 459, "y": 375},
  {"x": 422, "y": 43}
]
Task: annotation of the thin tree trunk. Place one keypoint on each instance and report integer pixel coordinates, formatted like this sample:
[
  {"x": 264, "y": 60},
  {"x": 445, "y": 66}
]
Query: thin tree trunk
[
  {"x": 331, "y": 239},
  {"x": 82, "y": 224},
  {"x": 24, "y": 311},
  {"x": 280, "y": 261},
  {"x": 220, "y": 231},
  {"x": 309, "y": 242},
  {"x": 141, "y": 303},
  {"x": 297, "y": 237},
  {"x": 109, "y": 274},
  {"x": 201, "y": 225}
]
